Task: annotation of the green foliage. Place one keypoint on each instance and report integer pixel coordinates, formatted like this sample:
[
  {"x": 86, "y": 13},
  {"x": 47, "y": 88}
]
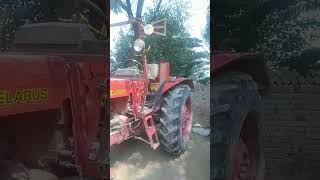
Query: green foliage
[
  {"x": 236, "y": 19},
  {"x": 279, "y": 30},
  {"x": 285, "y": 37},
  {"x": 16, "y": 13},
  {"x": 123, "y": 50},
  {"x": 177, "y": 47}
]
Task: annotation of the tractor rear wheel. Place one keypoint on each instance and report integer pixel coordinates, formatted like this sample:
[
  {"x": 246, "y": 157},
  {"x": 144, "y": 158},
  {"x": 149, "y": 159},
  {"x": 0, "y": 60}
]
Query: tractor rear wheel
[
  {"x": 236, "y": 145},
  {"x": 175, "y": 120}
]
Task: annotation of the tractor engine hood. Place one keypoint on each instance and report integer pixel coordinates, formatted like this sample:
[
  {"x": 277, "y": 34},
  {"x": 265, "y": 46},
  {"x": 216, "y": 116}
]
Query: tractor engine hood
[
  {"x": 57, "y": 38},
  {"x": 120, "y": 88}
]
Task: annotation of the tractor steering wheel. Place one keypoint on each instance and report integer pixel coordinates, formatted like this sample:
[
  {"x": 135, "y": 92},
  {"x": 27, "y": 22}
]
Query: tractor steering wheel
[{"x": 133, "y": 63}]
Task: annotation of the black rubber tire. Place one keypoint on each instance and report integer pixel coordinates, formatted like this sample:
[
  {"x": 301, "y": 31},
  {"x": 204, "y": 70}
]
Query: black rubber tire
[
  {"x": 170, "y": 132},
  {"x": 233, "y": 96}
]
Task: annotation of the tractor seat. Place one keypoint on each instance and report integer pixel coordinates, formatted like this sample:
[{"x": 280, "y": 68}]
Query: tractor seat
[{"x": 128, "y": 73}]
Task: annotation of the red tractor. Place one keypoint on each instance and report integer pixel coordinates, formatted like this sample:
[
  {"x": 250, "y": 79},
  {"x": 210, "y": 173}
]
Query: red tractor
[
  {"x": 52, "y": 108},
  {"x": 144, "y": 97},
  {"x": 238, "y": 82}
]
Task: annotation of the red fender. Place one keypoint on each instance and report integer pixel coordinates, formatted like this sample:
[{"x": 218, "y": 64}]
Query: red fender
[
  {"x": 249, "y": 63},
  {"x": 165, "y": 87},
  {"x": 171, "y": 84}
]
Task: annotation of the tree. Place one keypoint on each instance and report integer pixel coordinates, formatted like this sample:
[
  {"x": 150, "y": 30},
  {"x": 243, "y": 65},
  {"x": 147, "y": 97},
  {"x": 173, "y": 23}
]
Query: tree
[
  {"x": 279, "y": 30},
  {"x": 177, "y": 47},
  {"x": 206, "y": 32},
  {"x": 14, "y": 14},
  {"x": 235, "y": 19},
  {"x": 289, "y": 37},
  {"x": 127, "y": 7}
]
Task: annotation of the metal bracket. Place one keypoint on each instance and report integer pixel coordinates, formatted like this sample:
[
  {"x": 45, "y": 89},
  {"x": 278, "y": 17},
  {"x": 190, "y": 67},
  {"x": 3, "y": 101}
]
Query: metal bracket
[{"x": 151, "y": 132}]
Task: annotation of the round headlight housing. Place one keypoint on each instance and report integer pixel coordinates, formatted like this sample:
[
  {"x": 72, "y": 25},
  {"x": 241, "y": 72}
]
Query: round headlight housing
[
  {"x": 148, "y": 29},
  {"x": 138, "y": 45}
]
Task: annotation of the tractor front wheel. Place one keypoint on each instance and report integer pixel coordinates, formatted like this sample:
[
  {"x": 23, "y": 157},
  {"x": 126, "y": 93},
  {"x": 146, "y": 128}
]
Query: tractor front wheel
[{"x": 176, "y": 120}]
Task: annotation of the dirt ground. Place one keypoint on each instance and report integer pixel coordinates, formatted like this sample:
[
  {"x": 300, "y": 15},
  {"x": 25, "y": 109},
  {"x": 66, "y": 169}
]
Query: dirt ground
[{"x": 135, "y": 160}]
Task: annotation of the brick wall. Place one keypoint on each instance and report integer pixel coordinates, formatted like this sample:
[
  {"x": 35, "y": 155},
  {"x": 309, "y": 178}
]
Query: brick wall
[
  {"x": 292, "y": 126},
  {"x": 201, "y": 105}
]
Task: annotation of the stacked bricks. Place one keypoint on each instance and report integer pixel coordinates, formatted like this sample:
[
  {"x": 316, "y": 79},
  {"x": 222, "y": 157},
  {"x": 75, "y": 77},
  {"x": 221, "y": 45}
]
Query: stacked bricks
[{"x": 291, "y": 122}]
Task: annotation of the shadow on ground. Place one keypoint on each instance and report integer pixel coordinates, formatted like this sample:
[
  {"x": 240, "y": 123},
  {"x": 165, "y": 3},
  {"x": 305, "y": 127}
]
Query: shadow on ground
[{"x": 135, "y": 160}]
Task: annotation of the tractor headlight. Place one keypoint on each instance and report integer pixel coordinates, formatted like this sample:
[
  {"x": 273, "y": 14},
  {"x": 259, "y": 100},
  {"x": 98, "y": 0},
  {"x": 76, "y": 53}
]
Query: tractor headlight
[
  {"x": 138, "y": 45},
  {"x": 148, "y": 29}
]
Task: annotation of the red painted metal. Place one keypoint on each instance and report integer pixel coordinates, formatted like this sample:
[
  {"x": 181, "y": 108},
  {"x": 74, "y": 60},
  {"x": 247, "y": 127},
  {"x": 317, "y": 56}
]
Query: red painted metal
[
  {"x": 19, "y": 72},
  {"x": 164, "y": 74},
  {"x": 120, "y": 88},
  {"x": 151, "y": 130},
  {"x": 241, "y": 161},
  {"x": 173, "y": 83},
  {"x": 127, "y": 88},
  {"x": 164, "y": 71},
  {"x": 136, "y": 89},
  {"x": 224, "y": 59},
  {"x": 186, "y": 120},
  {"x": 71, "y": 77},
  {"x": 250, "y": 63},
  {"x": 138, "y": 98}
]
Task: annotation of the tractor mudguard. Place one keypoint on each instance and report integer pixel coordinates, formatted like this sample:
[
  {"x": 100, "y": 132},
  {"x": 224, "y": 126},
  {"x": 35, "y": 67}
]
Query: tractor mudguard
[
  {"x": 156, "y": 101},
  {"x": 170, "y": 84},
  {"x": 250, "y": 63},
  {"x": 165, "y": 87}
]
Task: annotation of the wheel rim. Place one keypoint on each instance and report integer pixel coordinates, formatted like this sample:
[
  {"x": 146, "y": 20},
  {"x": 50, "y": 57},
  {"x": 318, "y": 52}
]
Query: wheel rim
[
  {"x": 186, "y": 120},
  {"x": 241, "y": 162}
]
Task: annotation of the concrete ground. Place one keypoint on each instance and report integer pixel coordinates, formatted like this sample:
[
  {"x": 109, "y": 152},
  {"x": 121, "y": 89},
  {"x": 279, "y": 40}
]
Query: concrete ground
[{"x": 135, "y": 160}]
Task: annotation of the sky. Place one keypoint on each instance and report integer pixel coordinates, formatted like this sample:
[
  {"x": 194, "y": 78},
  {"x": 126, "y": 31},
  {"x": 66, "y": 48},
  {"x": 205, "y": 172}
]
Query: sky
[{"x": 196, "y": 22}]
